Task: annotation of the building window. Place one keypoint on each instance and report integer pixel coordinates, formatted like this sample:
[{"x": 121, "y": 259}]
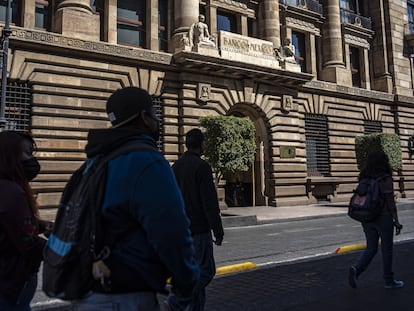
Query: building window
[
  {"x": 350, "y": 5},
  {"x": 317, "y": 146},
  {"x": 355, "y": 64},
  {"x": 163, "y": 25},
  {"x": 43, "y": 16},
  {"x": 226, "y": 22},
  {"x": 298, "y": 40},
  {"x": 371, "y": 127},
  {"x": 410, "y": 13},
  {"x": 157, "y": 102},
  {"x": 15, "y": 11},
  {"x": 18, "y": 106},
  {"x": 98, "y": 7},
  {"x": 251, "y": 27},
  {"x": 131, "y": 22}
]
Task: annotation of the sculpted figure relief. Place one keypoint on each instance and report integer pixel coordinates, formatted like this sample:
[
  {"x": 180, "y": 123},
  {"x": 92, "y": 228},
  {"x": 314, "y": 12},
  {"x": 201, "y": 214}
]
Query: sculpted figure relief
[
  {"x": 286, "y": 53},
  {"x": 199, "y": 34}
]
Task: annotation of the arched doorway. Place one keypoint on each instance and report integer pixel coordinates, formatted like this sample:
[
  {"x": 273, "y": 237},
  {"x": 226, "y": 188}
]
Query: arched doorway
[{"x": 251, "y": 188}]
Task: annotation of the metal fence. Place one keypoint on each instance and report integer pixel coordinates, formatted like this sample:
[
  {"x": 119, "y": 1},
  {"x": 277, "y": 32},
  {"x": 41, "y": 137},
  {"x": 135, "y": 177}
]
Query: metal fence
[
  {"x": 355, "y": 19},
  {"x": 311, "y": 5},
  {"x": 18, "y": 106}
]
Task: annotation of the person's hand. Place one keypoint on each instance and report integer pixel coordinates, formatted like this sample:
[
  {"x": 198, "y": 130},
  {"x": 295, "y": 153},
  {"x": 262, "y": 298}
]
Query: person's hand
[
  {"x": 218, "y": 240},
  {"x": 398, "y": 227}
]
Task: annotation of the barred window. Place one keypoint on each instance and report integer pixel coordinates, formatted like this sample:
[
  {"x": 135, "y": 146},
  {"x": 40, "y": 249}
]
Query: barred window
[
  {"x": 18, "y": 106},
  {"x": 371, "y": 127},
  {"x": 317, "y": 147},
  {"x": 157, "y": 102}
]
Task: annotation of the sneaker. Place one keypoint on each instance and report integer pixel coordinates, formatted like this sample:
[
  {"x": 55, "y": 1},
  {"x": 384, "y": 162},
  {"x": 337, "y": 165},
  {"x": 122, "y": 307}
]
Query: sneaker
[
  {"x": 394, "y": 284},
  {"x": 352, "y": 277}
]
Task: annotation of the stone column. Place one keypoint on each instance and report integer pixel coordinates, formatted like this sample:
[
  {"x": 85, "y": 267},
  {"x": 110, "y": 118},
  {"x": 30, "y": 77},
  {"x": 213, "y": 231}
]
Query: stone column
[
  {"x": 382, "y": 78},
  {"x": 29, "y": 13},
  {"x": 186, "y": 12},
  {"x": 311, "y": 55},
  {"x": 152, "y": 25},
  {"x": 366, "y": 81},
  {"x": 243, "y": 26},
  {"x": 74, "y": 18},
  {"x": 211, "y": 17},
  {"x": 334, "y": 68},
  {"x": 271, "y": 24},
  {"x": 111, "y": 30}
]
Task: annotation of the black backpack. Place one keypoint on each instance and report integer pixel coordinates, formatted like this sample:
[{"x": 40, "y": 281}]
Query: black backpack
[
  {"x": 366, "y": 202},
  {"x": 78, "y": 240}
]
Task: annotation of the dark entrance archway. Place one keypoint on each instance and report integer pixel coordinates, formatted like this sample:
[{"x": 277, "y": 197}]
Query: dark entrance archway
[{"x": 252, "y": 188}]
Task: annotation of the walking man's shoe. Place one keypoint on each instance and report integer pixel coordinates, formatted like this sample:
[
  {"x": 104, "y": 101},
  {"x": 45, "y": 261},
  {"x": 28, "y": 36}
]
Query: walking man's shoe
[
  {"x": 394, "y": 284},
  {"x": 352, "y": 277}
]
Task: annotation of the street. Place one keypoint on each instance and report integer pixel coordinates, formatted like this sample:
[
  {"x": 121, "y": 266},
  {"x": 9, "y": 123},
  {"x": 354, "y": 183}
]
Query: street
[
  {"x": 276, "y": 243},
  {"x": 287, "y": 241}
]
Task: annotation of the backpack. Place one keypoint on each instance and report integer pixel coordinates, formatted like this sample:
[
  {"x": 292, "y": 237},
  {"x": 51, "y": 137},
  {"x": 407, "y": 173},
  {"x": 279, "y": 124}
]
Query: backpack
[
  {"x": 366, "y": 202},
  {"x": 77, "y": 241}
]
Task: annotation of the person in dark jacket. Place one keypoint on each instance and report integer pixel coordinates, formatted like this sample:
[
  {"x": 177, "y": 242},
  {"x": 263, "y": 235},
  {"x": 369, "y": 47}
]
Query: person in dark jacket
[
  {"x": 143, "y": 211},
  {"x": 382, "y": 227},
  {"x": 20, "y": 245},
  {"x": 195, "y": 179}
]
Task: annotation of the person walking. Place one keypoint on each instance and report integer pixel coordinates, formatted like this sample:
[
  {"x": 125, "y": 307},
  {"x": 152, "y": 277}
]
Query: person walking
[
  {"x": 382, "y": 227},
  {"x": 142, "y": 210},
  {"x": 195, "y": 179},
  {"x": 21, "y": 246}
]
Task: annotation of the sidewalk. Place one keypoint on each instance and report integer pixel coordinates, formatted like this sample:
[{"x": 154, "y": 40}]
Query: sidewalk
[{"x": 249, "y": 216}]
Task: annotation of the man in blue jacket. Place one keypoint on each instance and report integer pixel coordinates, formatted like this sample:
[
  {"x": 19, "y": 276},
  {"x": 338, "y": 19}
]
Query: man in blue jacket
[{"x": 143, "y": 211}]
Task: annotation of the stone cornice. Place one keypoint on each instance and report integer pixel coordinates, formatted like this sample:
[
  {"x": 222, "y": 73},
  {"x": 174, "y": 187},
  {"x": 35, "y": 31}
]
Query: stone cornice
[
  {"x": 358, "y": 41},
  {"x": 303, "y": 25},
  {"x": 335, "y": 89},
  {"x": 57, "y": 40}
]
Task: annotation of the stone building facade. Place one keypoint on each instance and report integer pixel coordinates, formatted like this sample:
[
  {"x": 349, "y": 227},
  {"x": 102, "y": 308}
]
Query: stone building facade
[{"x": 352, "y": 73}]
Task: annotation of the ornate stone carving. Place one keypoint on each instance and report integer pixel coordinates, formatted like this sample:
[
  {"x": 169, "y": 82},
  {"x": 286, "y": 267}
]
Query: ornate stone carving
[
  {"x": 233, "y": 3},
  {"x": 89, "y": 46},
  {"x": 198, "y": 35},
  {"x": 302, "y": 25},
  {"x": 358, "y": 41},
  {"x": 287, "y": 103},
  {"x": 203, "y": 92}
]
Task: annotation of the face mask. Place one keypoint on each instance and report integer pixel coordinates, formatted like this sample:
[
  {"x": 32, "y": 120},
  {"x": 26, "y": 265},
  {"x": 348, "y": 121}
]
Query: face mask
[{"x": 31, "y": 168}]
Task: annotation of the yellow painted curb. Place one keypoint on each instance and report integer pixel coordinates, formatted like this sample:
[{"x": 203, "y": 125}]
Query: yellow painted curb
[
  {"x": 235, "y": 268},
  {"x": 244, "y": 266},
  {"x": 350, "y": 248}
]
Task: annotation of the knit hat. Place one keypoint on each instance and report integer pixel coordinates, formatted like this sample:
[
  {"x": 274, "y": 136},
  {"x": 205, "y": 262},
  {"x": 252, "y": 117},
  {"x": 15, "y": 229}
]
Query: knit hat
[{"x": 125, "y": 104}]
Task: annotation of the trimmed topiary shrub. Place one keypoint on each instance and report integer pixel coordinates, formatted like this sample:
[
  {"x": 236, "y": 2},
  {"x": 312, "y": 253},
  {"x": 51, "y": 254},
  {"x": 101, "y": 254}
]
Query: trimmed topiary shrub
[
  {"x": 389, "y": 143},
  {"x": 229, "y": 144}
]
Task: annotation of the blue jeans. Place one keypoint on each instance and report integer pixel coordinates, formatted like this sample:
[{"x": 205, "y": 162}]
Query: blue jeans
[
  {"x": 137, "y": 301},
  {"x": 383, "y": 228},
  {"x": 203, "y": 244},
  {"x": 26, "y": 296}
]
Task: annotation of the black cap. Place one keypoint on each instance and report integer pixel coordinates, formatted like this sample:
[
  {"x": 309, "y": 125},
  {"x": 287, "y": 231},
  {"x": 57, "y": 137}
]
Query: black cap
[{"x": 125, "y": 104}]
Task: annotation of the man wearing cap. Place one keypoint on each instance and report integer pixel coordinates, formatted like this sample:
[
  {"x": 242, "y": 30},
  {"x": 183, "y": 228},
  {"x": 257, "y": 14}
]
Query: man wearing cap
[
  {"x": 143, "y": 209},
  {"x": 195, "y": 179}
]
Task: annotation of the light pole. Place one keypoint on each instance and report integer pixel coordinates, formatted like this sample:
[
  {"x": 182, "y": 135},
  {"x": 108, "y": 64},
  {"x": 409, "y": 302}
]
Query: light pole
[{"x": 5, "y": 43}]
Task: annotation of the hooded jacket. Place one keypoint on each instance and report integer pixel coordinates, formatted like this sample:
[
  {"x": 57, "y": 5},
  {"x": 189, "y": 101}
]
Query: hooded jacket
[{"x": 143, "y": 212}]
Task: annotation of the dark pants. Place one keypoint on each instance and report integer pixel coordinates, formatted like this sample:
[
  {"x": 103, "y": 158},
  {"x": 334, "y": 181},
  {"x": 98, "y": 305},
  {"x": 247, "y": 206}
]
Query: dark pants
[
  {"x": 383, "y": 228},
  {"x": 203, "y": 244},
  {"x": 26, "y": 296}
]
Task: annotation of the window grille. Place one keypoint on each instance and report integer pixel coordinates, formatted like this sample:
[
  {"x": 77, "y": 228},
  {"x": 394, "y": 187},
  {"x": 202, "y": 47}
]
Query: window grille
[
  {"x": 317, "y": 146},
  {"x": 18, "y": 106},
  {"x": 157, "y": 102},
  {"x": 371, "y": 127}
]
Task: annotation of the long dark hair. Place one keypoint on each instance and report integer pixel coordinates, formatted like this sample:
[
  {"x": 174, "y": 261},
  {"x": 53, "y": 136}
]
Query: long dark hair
[
  {"x": 11, "y": 168},
  {"x": 377, "y": 165}
]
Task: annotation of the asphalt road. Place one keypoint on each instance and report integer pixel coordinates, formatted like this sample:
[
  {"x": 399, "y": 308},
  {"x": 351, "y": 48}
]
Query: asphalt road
[
  {"x": 288, "y": 241},
  {"x": 271, "y": 244}
]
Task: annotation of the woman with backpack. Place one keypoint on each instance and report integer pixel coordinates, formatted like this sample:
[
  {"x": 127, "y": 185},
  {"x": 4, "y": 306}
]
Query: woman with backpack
[
  {"x": 20, "y": 245},
  {"x": 378, "y": 166}
]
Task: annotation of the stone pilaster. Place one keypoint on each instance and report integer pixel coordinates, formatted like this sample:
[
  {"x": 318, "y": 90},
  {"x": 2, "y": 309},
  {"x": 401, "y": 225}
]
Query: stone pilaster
[
  {"x": 29, "y": 13},
  {"x": 271, "y": 25},
  {"x": 382, "y": 80},
  {"x": 334, "y": 68},
  {"x": 152, "y": 23},
  {"x": 74, "y": 18}
]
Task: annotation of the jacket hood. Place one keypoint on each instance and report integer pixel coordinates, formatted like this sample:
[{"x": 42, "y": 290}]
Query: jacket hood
[{"x": 102, "y": 141}]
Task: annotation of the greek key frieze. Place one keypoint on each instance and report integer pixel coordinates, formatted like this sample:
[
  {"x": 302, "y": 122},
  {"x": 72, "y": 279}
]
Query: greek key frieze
[{"x": 98, "y": 47}]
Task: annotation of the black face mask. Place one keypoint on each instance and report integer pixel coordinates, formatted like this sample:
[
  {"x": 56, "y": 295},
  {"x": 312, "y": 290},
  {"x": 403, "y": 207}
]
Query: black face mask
[{"x": 31, "y": 168}]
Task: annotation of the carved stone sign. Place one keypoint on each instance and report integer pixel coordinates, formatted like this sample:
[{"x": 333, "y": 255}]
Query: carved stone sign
[{"x": 246, "y": 49}]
